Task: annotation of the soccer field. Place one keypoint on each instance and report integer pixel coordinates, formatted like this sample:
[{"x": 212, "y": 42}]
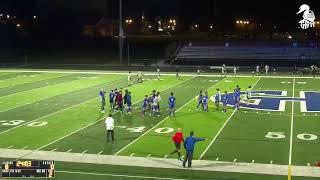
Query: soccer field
[{"x": 59, "y": 112}]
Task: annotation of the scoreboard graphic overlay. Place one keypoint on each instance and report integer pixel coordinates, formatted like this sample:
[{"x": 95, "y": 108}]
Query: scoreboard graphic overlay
[{"x": 27, "y": 169}]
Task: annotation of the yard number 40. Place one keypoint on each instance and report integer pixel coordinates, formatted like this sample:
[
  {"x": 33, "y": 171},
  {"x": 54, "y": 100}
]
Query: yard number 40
[{"x": 281, "y": 135}]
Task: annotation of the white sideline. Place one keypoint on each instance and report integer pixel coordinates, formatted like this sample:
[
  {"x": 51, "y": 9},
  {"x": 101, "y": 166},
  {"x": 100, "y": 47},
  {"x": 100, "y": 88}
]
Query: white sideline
[
  {"x": 203, "y": 165},
  {"x": 216, "y": 136},
  {"x": 161, "y": 122},
  {"x": 291, "y": 125},
  {"x": 117, "y": 175},
  {"x": 148, "y": 73}
]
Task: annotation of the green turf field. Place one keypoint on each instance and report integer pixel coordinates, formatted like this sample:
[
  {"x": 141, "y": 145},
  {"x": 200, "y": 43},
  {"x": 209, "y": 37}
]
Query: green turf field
[{"x": 59, "y": 111}]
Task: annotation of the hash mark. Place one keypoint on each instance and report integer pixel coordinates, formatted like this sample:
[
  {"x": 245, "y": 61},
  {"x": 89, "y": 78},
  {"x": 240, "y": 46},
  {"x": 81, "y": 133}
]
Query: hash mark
[
  {"x": 9, "y": 147},
  {"x": 217, "y": 159},
  {"x": 235, "y": 160},
  {"x": 132, "y": 154},
  {"x": 165, "y": 156},
  {"x": 69, "y": 150},
  {"x": 25, "y": 147},
  {"x": 149, "y": 155},
  {"x": 271, "y": 162},
  {"x": 100, "y": 152},
  {"x": 308, "y": 164},
  {"x": 84, "y": 151},
  {"x": 54, "y": 149},
  {"x": 252, "y": 161}
]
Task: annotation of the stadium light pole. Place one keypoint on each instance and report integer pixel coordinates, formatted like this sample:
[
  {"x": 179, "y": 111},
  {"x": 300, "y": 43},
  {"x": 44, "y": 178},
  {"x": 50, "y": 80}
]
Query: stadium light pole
[{"x": 120, "y": 32}]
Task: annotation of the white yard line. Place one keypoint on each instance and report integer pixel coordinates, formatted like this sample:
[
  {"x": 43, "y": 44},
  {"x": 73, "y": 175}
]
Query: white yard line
[
  {"x": 135, "y": 140},
  {"x": 291, "y": 126},
  {"x": 117, "y": 175},
  {"x": 216, "y": 136}
]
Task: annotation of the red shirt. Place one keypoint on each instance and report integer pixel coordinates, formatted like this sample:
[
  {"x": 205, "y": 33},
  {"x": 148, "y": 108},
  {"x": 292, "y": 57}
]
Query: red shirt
[
  {"x": 178, "y": 137},
  {"x": 119, "y": 98}
]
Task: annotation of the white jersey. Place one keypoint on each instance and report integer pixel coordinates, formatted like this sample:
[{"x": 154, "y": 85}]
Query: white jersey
[
  {"x": 257, "y": 69},
  {"x": 109, "y": 123},
  {"x": 155, "y": 101},
  {"x": 235, "y": 70},
  {"x": 129, "y": 77},
  {"x": 139, "y": 74},
  {"x": 223, "y": 69}
]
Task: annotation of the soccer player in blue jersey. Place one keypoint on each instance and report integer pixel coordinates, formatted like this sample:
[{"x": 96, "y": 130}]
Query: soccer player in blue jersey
[
  {"x": 172, "y": 102},
  {"x": 200, "y": 102},
  {"x": 236, "y": 96},
  {"x": 224, "y": 100},
  {"x": 102, "y": 100},
  {"x": 111, "y": 100},
  {"x": 217, "y": 98},
  {"x": 144, "y": 105},
  {"x": 205, "y": 102},
  {"x": 129, "y": 102}
]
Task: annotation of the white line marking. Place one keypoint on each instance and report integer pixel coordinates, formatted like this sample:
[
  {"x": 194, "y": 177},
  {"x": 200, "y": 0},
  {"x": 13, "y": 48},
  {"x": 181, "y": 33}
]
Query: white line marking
[
  {"x": 132, "y": 154},
  {"x": 214, "y": 139},
  {"x": 159, "y": 123},
  {"x": 25, "y": 147},
  {"x": 271, "y": 162},
  {"x": 9, "y": 147},
  {"x": 291, "y": 126},
  {"x": 53, "y": 149},
  {"x": 217, "y": 159},
  {"x": 100, "y": 152},
  {"x": 252, "y": 161},
  {"x": 308, "y": 164},
  {"x": 118, "y": 175},
  {"x": 69, "y": 150},
  {"x": 149, "y": 155},
  {"x": 84, "y": 151},
  {"x": 235, "y": 160},
  {"x": 165, "y": 156}
]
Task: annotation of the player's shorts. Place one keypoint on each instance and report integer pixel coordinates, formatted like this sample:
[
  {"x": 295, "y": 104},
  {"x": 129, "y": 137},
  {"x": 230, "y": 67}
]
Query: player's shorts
[
  {"x": 217, "y": 101},
  {"x": 171, "y": 106},
  {"x": 177, "y": 145},
  {"x": 129, "y": 103},
  {"x": 237, "y": 99}
]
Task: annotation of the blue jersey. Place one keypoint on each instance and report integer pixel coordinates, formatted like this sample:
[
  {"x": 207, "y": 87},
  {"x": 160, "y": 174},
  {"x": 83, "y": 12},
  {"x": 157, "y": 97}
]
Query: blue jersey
[
  {"x": 237, "y": 93},
  {"x": 218, "y": 97},
  {"x": 205, "y": 99},
  {"x": 102, "y": 96},
  {"x": 129, "y": 99},
  {"x": 145, "y": 103},
  {"x": 224, "y": 100},
  {"x": 172, "y": 101},
  {"x": 200, "y": 97},
  {"x": 111, "y": 96}
]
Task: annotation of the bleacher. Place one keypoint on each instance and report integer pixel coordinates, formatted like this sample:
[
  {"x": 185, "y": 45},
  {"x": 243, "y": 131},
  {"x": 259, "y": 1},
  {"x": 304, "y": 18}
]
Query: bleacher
[{"x": 280, "y": 55}]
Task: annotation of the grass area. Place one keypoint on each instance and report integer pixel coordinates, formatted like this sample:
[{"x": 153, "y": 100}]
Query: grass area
[{"x": 60, "y": 111}]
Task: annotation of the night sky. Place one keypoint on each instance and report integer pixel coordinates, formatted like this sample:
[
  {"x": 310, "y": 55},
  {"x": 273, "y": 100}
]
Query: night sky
[{"x": 211, "y": 11}]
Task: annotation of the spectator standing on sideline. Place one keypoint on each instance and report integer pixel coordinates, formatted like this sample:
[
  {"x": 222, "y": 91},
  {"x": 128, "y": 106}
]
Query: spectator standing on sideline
[
  {"x": 266, "y": 68},
  {"x": 177, "y": 139},
  {"x": 102, "y": 100},
  {"x": 189, "y": 146},
  {"x": 257, "y": 70},
  {"x": 110, "y": 127},
  {"x": 235, "y": 71},
  {"x": 198, "y": 72},
  {"x": 177, "y": 73},
  {"x": 158, "y": 73}
]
